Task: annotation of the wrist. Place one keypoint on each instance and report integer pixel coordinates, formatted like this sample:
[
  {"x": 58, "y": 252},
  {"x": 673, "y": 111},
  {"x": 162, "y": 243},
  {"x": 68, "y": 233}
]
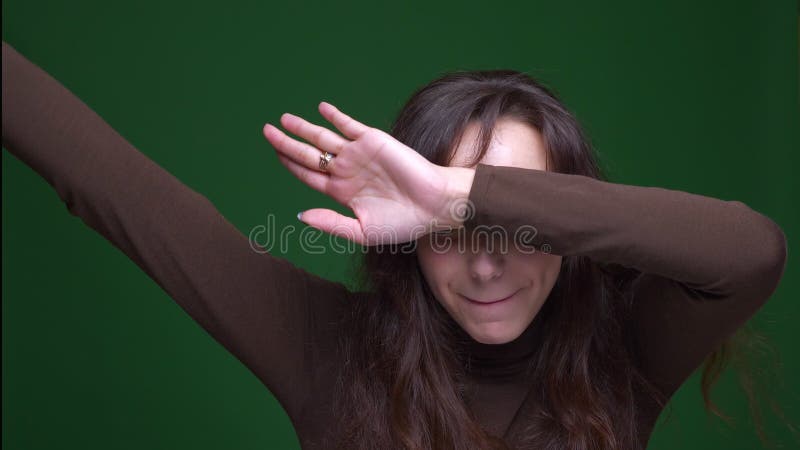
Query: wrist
[{"x": 457, "y": 207}]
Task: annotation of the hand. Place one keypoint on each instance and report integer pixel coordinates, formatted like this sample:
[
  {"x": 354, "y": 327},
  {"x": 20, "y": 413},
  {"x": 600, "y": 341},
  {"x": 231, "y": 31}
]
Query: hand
[{"x": 395, "y": 193}]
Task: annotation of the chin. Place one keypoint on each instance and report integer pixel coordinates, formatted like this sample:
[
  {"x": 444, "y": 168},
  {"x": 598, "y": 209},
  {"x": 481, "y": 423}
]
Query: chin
[{"x": 495, "y": 333}]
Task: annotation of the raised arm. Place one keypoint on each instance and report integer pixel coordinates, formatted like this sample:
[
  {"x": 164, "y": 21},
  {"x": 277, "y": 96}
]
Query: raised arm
[
  {"x": 708, "y": 264},
  {"x": 261, "y": 308}
]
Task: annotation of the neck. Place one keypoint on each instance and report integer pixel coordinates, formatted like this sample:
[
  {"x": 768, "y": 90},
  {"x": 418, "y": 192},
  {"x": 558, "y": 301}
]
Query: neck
[{"x": 498, "y": 362}]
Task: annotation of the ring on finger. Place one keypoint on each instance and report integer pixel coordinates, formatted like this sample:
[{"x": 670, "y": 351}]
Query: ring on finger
[{"x": 324, "y": 159}]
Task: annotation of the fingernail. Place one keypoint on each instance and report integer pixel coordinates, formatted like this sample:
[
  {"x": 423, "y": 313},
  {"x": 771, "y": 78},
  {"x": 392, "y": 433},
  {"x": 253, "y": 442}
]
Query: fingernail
[{"x": 299, "y": 215}]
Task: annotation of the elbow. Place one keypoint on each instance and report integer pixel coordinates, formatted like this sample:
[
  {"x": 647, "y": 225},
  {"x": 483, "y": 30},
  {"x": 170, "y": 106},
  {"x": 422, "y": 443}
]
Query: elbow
[
  {"x": 766, "y": 254},
  {"x": 774, "y": 264}
]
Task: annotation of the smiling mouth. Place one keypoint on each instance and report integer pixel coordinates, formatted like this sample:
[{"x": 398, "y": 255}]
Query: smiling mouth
[{"x": 490, "y": 302}]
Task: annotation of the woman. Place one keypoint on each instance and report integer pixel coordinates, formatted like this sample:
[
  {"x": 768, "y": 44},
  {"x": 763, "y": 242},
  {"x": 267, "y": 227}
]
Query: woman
[{"x": 512, "y": 297}]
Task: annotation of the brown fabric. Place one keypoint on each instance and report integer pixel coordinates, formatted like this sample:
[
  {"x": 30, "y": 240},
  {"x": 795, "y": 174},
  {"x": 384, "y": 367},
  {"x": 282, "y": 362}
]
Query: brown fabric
[{"x": 709, "y": 264}]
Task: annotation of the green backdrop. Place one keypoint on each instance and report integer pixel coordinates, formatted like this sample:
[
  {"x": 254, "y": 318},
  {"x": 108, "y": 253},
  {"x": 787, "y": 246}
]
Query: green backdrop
[{"x": 695, "y": 96}]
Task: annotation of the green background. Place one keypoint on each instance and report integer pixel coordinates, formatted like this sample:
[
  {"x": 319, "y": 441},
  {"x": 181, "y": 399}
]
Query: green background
[{"x": 695, "y": 96}]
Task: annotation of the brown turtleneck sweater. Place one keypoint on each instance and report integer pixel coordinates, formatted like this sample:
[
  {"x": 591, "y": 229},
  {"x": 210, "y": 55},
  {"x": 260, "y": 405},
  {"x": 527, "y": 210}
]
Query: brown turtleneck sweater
[{"x": 709, "y": 264}]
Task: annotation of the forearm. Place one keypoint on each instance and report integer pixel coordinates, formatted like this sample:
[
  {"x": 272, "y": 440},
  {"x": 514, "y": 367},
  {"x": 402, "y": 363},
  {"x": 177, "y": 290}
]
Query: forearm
[{"x": 707, "y": 244}]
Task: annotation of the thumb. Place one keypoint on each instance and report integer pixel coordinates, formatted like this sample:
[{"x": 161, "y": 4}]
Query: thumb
[{"x": 333, "y": 223}]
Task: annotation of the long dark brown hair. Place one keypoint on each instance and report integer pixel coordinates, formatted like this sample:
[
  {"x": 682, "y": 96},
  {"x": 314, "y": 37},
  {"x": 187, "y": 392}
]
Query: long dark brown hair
[{"x": 403, "y": 384}]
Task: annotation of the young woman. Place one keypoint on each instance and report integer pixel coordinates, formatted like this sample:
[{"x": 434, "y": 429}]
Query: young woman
[{"x": 512, "y": 298}]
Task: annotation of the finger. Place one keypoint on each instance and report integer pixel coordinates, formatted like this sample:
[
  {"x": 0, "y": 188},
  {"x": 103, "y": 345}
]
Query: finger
[
  {"x": 321, "y": 137},
  {"x": 300, "y": 152},
  {"x": 317, "y": 180},
  {"x": 350, "y": 127},
  {"x": 334, "y": 223}
]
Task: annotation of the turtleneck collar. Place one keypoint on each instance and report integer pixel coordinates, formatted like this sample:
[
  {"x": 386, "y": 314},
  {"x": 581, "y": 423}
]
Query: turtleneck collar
[{"x": 499, "y": 362}]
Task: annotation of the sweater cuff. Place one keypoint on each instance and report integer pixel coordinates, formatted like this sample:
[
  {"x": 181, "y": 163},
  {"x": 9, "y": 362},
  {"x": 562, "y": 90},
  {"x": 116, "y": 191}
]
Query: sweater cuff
[{"x": 478, "y": 203}]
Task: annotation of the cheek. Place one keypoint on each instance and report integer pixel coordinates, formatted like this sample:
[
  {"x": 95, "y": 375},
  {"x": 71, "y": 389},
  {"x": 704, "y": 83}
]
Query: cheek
[
  {"x": 551, "y": 272},
  {"x": 438, "y": 268},
  {"x": 551, "y": 265},
  {"x": 543, "y": 267}
]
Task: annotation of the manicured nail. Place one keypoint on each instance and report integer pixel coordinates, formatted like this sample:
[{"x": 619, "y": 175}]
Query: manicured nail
[{"x": 299, "y": 215}]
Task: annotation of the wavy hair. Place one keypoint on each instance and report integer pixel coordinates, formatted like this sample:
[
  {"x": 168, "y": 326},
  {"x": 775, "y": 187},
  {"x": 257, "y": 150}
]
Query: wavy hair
[{"x": 403, "y": 385}]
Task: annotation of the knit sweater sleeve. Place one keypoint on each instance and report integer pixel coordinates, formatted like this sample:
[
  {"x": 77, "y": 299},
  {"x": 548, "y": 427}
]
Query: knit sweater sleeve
[
  {"x": 263, "y": 309},
  {"x": 707, "y": 265}
]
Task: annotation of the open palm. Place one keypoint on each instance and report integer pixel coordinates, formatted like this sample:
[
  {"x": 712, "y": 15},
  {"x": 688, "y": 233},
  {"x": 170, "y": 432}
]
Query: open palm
[{"x": 396, "y": 194}]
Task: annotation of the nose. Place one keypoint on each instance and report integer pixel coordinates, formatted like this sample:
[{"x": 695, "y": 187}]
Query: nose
[{"x": 485, "y": 266}]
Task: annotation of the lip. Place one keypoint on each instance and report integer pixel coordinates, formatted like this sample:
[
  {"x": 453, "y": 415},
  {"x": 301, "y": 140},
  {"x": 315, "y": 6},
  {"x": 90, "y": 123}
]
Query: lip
[{"x": 492, "y": 302}]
